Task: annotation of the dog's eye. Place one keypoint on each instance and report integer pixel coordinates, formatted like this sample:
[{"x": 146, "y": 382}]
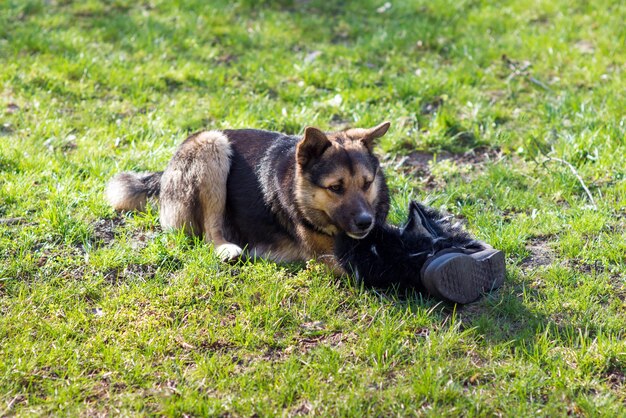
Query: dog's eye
[
  {"x": 335, "y": 188},
  {"x": 367, "y": 184}
]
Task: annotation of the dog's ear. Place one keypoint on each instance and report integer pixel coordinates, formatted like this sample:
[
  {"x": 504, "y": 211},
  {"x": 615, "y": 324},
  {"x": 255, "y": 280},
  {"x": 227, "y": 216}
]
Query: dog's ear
[
  {"x": 415, "y": 224},
  {"x": 371, "y": 134},
  {"x": 312, "y": 145}
]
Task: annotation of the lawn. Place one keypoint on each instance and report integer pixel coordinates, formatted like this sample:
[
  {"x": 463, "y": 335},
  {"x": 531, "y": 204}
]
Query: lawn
[{"x": 509, "y": 115}]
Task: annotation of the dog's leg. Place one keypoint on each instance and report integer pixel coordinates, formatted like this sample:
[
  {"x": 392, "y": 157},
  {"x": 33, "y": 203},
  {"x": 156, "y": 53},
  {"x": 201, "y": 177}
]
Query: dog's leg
[
  {"x": 194, "y": 190},
  {"x": 213, "y": 193},
  {"x": 213, "y": 202}
]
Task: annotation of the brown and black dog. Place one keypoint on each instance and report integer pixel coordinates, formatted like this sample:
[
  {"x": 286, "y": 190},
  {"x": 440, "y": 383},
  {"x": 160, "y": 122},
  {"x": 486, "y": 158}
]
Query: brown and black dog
[{"x": 278, "y": 196}]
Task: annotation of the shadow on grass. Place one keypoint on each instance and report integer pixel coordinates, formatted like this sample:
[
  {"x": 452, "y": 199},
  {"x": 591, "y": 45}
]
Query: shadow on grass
[
  {"x": 507, "y": 317},
  {"x": 498, "y": 317}
]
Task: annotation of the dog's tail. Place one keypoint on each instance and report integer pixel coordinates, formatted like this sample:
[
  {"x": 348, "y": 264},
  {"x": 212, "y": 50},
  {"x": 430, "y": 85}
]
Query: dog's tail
[{"x": 130, "y": 191}]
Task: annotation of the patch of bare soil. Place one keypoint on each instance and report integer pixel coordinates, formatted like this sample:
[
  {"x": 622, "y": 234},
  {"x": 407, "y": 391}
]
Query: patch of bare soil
[
  {"x": 245, "y": 360},
  {"x": 476, "y": 157},
  {"x": 616, "y": 378},
  {"x": 12, "y": 221},
  {"x": 540, "y": 254},
  {"x": 419, "y": 163},
  {"x": 303, "y": 344},
  {"x": 588, "y": 268},
  {"x": 335, "y": 339},
  {"x": 304, "y": 407},
  {"x": 131, "y": 271},
  {"x": 219, "y": 346},
  {"x": 104, "y": 229}
]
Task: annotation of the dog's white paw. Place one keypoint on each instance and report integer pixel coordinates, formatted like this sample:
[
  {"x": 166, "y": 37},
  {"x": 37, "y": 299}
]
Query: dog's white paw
[{"x": 228, "y": 252}]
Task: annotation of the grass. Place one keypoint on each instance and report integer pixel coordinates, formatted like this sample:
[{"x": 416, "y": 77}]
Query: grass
[{"x": 106, "y": 314}]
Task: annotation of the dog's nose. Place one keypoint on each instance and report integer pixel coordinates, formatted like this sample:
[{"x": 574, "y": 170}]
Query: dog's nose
[{"x": 363, "y": 221}]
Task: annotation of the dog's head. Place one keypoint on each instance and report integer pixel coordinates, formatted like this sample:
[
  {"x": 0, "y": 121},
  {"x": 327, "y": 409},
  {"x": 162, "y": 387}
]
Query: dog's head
[{"x": 339, "y": 184}]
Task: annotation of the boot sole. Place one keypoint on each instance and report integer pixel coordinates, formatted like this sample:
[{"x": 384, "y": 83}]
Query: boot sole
[{"x": 463, "y": 278}]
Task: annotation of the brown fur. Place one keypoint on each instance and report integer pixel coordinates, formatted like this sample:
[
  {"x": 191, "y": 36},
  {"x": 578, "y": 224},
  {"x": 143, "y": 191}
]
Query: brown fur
[
  {"x": 130, "y": 191},
  {"x": 278, "y": 196},
  {"x": 193, "y": 191}
]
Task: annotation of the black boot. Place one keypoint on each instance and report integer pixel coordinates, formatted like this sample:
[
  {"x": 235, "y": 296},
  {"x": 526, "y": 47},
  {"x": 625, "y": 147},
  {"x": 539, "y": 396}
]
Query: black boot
[
  {"x": 428, "y": 254},
  {"x": 463, "y": 276},
  {"x": 462, "y": 268}
]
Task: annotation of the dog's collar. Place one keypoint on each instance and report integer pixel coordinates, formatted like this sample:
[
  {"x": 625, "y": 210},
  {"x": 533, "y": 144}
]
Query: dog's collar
[{"x": 310, "y": 226}]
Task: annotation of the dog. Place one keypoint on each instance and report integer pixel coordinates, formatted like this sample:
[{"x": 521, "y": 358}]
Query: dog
[{"x": 267, "y": 194}]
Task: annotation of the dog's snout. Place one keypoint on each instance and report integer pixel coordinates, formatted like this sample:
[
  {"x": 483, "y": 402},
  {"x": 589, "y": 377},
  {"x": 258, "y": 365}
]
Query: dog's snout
[{"x": 363, "y": 221}]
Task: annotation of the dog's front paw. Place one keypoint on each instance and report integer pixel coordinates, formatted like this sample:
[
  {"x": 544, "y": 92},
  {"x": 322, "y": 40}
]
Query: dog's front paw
[{"x": 228, "y": 252}]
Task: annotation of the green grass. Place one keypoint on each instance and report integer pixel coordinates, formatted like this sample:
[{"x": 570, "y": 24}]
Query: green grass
[{"x": 106, "y": 314}]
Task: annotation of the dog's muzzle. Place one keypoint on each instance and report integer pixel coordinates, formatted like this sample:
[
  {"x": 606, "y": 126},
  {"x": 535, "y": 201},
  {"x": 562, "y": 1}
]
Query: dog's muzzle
[{"x": 363, "y": 224}]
